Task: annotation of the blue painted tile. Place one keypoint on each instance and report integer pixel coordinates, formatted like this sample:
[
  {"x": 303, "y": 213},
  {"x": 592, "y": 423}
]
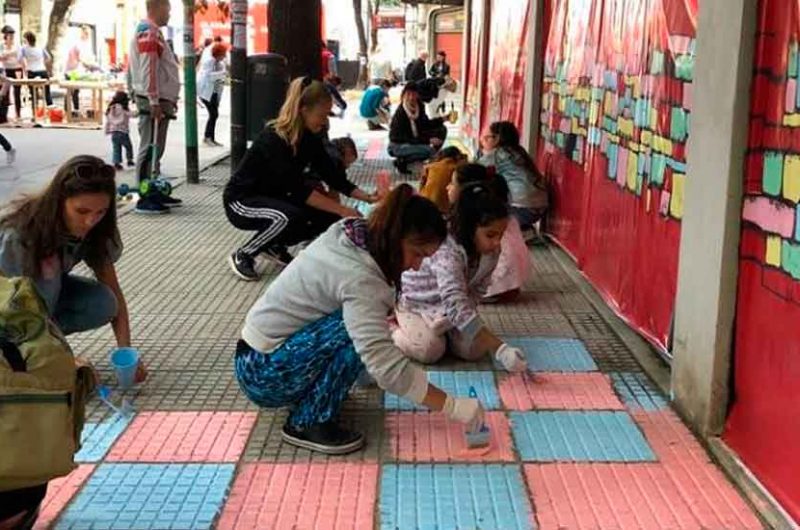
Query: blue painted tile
[
  {"x": 456, "y": 383},
  {"x": 129, "y": 496},
  {"x": 579, "y": 436},
  {"x": 554, "y": 355},
  {"x": 445, "y": 496},
  {"x": 638, "y": 392},
  {"x": 97, "y": 438}
]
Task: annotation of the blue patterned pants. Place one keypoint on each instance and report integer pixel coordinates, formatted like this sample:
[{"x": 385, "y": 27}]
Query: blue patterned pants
[{"x": 311, "y": 372}]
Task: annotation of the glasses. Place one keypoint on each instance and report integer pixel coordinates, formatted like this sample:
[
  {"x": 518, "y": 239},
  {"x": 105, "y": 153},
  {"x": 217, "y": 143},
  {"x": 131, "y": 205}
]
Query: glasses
[{"x": 87, "y": 170}]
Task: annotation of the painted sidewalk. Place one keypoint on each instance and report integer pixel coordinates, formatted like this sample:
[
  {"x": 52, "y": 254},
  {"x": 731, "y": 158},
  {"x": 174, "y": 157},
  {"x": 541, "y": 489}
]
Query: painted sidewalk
[{"x": 584, "y": 441}]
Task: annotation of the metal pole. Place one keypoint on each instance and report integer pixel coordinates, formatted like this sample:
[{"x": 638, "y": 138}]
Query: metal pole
[
  {"x": 238, "y": 82},
  {"x": 190, "y": 93}
]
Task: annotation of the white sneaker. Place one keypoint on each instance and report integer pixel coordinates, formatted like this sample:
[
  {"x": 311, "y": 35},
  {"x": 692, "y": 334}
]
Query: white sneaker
[
  {"x": 208, "y": 142},
  {"x": 11, "y": 155}
]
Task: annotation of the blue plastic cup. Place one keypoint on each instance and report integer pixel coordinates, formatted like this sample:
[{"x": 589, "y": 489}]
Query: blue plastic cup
[{"x": 125, "y": 361}]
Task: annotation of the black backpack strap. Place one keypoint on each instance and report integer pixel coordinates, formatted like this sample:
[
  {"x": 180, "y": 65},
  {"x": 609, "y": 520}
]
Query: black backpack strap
[{"x": 13, "y": 356}]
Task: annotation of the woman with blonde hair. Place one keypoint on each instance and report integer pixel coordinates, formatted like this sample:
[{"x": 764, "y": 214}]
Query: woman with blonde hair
[{"x": 270, "y": 193}]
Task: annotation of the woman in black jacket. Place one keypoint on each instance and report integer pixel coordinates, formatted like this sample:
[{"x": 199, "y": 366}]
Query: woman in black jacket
[
  {"x": 270, "y": 192},
  {"x": 413, "y": 137}
]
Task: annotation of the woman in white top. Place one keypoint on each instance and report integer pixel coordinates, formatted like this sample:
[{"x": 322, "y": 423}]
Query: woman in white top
[
  {"x": 13, "y": 68},
  {"x": 34, "y": 61},
  {"x": 210, "y": 84}
]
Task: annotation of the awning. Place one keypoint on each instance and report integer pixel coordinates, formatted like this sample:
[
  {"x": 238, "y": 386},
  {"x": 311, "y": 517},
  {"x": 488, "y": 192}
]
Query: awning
[{"x": 436, "y": 2}]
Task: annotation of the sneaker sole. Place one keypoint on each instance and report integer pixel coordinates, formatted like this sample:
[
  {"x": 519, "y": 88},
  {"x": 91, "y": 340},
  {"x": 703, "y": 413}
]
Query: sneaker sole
[
  {"x": 274, "y": 259},
  {"x": 151, "y": 212},
  {"x": 237, "y": 273},
  {"x": 326, "y": 449}
]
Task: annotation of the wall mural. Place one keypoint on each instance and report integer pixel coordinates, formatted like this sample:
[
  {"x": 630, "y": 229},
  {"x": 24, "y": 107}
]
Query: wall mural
[
  {"x": 763, "y": 425},
  {"x": 615, "y": 119}
]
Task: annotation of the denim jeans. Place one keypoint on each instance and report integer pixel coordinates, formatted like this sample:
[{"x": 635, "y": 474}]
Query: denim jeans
[
  {"x": 411, "y": 152},
  {"x": 118, "y": 141},
  {"x": 83, "y": 304}
]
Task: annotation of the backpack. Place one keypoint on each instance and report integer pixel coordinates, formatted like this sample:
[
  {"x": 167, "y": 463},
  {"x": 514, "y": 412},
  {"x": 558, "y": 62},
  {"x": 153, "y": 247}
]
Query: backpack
[{"x": 42, "y": 392}]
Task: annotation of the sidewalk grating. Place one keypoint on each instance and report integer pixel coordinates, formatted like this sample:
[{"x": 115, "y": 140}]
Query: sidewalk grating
[{"x": 575, "y": 391}]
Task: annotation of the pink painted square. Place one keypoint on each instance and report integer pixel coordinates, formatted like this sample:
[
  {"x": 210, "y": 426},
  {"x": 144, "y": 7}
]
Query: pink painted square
[
  {"x": 431, "y": 437},
  {"x": 578, "y": 391},
  {"x": 627, "y": 496},
  {"x": 791, "y": 95},
  {"x": 622, "y": 166},
  {"x": 323, "y": 496},
  {"x": 687, "y": 96},
  {"x": 184, "y": 437},
  {"x": 60, "y": 492},
  {"x": 374, "y": 149}
]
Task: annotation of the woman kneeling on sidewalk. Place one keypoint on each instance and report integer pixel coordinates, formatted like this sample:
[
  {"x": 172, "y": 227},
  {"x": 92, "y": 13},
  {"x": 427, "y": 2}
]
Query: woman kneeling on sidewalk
[
  {"x": 43, "y": 237},
  {"x": 270, "y": 192},
  {"x": 324, "y": 320}
]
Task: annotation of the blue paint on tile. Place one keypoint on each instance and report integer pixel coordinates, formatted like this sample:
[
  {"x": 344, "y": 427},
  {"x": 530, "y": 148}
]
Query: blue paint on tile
[
  {"x": 638, "y": 392},
  {"x": 445, "y": 497},
  {"x": 579, "y": 436},
  {"x": 97, "y": 438},
  {"x": 129, "y": 496},
  {"x": 554, "y": 355},
  {"x": 456, "y": 383}
]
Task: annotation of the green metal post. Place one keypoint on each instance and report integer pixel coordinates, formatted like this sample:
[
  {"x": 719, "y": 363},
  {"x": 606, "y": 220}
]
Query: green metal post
[{"x": 190, "y": 93}]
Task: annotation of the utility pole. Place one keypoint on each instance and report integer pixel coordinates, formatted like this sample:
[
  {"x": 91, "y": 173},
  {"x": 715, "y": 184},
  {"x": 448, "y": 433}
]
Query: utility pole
[
  {"x": 238, "y": 82},
  {"x": 190, "y": 93}
]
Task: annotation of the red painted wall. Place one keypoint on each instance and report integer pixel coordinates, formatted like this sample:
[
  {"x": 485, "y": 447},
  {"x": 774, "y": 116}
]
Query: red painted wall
[{"x": 764, "y": 423}]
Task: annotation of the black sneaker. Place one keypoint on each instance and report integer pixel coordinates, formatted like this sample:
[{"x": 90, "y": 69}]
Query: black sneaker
[
  {"x": 243, "y": 266},
  {"x": 150, "y": 206},
  {"x": 278, "y": 254},
  {"x": 328, "y": 438},
  {"x": 131, "y": 163},
  {"x": 118, "y": 167},
  {"x": 402, "y": 166},
  {"x": 172, "y": 202}
]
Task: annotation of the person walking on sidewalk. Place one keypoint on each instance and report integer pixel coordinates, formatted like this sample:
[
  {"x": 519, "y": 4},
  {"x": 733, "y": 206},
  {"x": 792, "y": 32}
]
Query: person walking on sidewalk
[
  {"x": 118, "y": 117},
  {"x": 210, "y": 84},
  {"x": 13, "y": 68},
  {"x": 270, "y": 191},
  {"x": 155, "y": 83},
  {"x": 322, "y": 322}
]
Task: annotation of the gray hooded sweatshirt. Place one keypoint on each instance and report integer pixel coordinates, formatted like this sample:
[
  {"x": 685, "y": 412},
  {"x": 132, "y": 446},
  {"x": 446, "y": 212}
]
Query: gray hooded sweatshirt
[{"x": 330, "y": 274}]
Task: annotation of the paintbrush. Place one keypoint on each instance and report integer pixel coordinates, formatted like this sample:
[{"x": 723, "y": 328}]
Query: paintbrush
[{"x": 481, "y": 437}]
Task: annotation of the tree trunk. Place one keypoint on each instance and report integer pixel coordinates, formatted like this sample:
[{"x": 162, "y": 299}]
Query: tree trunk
[
  {"x": 373, "y": 27},
  {"x": 362, "y": 44},
  {"x": 57, "y": 26},
  {"x": 294, "y": 32}
]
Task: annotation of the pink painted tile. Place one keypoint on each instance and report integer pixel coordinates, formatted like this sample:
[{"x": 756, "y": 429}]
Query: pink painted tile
[
  {"x": 184, "y": 437},
  {"x": 59, "y": 493},
  {"x": 688, "y": 90},
  {"x": 578, "y": 391},
  {"x": 696, "y": 477},
  {"x": 322, "y": 496},
  {"x": 621, "y": 496},
  {"x": 622, "y": 166},
  {"x": 770, "y": 215},
  {"x": 791, "y": 95},
  {"x": 374, "y": 149},
  {"x": 431, "y": 437}
]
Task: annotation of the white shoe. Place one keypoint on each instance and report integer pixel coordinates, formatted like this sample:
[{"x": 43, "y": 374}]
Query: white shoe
[
  {"x": 11, "y": 155},
  {"x": 208, "y": 142}
]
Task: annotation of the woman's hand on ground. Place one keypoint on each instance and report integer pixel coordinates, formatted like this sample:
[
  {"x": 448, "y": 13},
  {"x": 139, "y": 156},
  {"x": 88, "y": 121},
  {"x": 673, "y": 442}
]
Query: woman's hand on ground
[{"x": 465, "y": 410}]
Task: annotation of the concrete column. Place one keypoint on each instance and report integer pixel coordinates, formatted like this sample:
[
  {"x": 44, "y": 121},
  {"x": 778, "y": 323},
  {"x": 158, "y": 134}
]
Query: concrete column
[
  {"x": 533, "y": 75},
  {"x": 707, "y": 274}
]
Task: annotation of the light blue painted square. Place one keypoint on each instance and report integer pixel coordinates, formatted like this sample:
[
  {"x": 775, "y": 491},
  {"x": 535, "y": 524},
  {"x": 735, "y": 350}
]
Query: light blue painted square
[
  {"x": 772, "y": 179},
  {"x": 148, "y": 491},
  {"x": 97, "y": 438},
  {"x": 594, "y": 136},
  {"x": 638, "y": 392},
  {"x": 677, "y": 167},
  {"x": 454, "y": 497},
  {"x": 455, "y": 383},
  {"x": 797, "y": 224},
  {"x": 613, "y": 150},
  {"x": 554, "y": 355},
  {"x": 579, "y": 436},
  {"x": 659, "y": 169},
  {"x": 657, "y": 63},
  {"x": 678, "y": 128}
]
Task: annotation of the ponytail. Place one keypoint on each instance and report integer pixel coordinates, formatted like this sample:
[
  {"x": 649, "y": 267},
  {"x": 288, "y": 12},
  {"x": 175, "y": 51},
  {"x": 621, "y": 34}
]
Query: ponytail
[{"x": 402, "y": 215}]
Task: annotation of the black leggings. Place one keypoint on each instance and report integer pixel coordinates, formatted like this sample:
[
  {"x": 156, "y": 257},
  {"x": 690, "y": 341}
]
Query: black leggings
[
  {"x": 213, "y": 113},
  {"x": 276, "y": 222},
  {"x": 41, "y": 74},
  {"x": 11, "y": 73}
]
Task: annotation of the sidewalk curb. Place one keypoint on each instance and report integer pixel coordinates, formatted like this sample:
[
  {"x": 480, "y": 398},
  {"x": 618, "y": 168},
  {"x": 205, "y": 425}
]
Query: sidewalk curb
[{"x": 126, "y": 207}]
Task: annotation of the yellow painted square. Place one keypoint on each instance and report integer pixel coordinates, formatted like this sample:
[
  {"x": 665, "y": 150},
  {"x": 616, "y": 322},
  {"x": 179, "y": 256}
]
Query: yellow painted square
[
  {"x": 608, "y": 104},
  {"x": 647, "y": 138},
  {"x": 774, "y": 245},
  {"x": 562, "y": 104},
  {"x": 594, "y": 112},
  {"x": 625, "y": 127},
  {"x": 575, "y": 125},
  {"x": 791, "y": 120},
  {"x": 676, "y": 200},
  {"x": 633, "y": 146},
  {"x": 653, "y": 118},
  {"x": 791, "y": 178},
  {"x": 633, "y": 165}
]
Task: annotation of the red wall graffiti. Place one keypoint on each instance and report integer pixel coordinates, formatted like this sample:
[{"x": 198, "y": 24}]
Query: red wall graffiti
[
  {"x": 475, "y": 74},
  {"x": 616, "y": 104},
  {"x": 211, "y": 21},
  {"x": 764, "y": 423}
]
